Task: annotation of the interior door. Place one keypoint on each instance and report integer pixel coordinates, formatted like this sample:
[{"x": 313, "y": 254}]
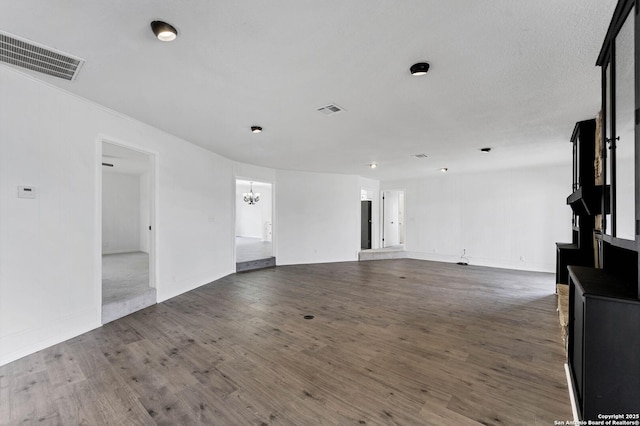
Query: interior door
[{"x": 391, "y": 227}]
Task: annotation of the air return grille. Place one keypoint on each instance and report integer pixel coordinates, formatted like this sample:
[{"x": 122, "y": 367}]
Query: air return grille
[
  {"x": 330, "y": 109},
  {"x": 26, "y": 54}
]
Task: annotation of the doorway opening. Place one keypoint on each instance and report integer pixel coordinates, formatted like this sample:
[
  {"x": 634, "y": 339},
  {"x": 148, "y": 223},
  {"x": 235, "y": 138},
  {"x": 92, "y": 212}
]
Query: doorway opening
[
  {"x": 254, "y": 225},
  {"x": 128, "y": 194},
  {"x": 366, "y": 220},
  {"x": 393, "y": 219}
]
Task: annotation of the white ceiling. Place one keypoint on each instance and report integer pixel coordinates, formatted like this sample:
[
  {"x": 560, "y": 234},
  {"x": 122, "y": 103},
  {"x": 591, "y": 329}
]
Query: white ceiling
[
  {"x": 511, "y": 75},
  {"x": 258, "y": 185},
  {"x": 124, "y": 160}
]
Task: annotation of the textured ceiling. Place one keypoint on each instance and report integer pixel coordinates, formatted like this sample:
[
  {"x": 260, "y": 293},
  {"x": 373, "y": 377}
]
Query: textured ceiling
[{"x": 511, "y": 75}]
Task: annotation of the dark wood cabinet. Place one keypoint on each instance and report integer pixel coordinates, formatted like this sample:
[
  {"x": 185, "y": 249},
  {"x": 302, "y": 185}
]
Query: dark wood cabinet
[
  {"x": 585, "y": 203},
  {"x": 604, "y": 343},
  {"x": 618, "y": 61},
  {"x": 604, "y": 308}
]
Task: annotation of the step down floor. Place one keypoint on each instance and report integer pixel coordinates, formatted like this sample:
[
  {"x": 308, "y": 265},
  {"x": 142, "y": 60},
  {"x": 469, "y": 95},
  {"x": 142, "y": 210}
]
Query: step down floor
[
  {"x": 385, "y": 253},
  {"x": 121, "y": 308},
  {"x": 250, "y": 265}
]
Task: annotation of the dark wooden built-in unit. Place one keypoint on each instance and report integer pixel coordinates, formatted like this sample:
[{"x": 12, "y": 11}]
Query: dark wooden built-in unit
[
  {"x": 603, "y": 358},
  {"x": 584, "y": 201},
  {"x": 604, "y": 308}
]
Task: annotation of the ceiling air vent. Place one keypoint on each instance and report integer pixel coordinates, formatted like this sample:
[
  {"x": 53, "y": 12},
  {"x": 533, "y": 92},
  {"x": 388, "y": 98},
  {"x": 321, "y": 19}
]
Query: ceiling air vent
[
  {"x": 29, "y": 55},
  {"x": 330, "y": 109}
]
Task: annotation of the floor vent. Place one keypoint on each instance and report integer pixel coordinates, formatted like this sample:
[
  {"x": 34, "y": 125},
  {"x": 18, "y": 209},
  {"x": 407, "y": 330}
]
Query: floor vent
[
  {"x": 330, "y": 109},
  {"x": 34, "y": 57}
]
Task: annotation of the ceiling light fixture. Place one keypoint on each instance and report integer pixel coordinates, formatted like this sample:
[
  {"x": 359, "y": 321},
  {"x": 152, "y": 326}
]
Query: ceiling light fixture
[
  {"x": 419, "y": 69},
  {"x": 485, "y": 150},
  {"x": 250, "y": 197},
  {"x": 256, "y": 129},
  {"x": 164, "y": 31},
  {"x": 373, "y": 165},
  {"x": 444, "y": 170}
]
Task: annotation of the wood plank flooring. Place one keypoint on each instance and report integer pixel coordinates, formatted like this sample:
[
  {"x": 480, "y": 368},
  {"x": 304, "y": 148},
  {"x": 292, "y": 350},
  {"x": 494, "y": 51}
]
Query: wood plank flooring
[{"x": 392, "y": 342}]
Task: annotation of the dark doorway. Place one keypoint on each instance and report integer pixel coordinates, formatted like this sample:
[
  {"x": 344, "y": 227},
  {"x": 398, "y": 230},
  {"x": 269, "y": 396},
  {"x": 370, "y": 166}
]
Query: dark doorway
[{"x": 365, "y": 224}]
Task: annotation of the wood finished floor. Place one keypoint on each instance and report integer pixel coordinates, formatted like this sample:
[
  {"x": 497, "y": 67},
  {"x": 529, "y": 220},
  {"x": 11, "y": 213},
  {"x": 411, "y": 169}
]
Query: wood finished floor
[{"x": 392, "y": 342}]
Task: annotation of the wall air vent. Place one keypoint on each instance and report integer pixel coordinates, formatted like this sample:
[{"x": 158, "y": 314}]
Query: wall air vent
[
  {"x": 330, "y": 109},
  {"x": 35, "y": 57}
]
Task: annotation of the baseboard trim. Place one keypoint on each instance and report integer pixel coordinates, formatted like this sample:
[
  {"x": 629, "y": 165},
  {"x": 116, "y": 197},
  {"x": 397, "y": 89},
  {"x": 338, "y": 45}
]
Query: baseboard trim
[
  {"x": 29, "y": 341},
  {"x": 572, "y": 395},
  {"x": 479, "y": 261}
]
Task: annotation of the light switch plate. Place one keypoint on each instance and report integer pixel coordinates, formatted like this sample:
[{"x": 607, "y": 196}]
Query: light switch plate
[{"x": 26, "y": 192}]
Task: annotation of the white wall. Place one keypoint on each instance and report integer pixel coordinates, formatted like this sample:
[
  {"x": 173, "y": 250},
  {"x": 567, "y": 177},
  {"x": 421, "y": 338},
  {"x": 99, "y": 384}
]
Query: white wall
[
  {"x": 248, "y": 217},
  {"x": 250, "y": 172},
  {"x": 508, "y": 218},
  {"x": 266, "y": 231},
  {"x": 254, "y": 173},
  {"x": 318, "y": 217},
  {"x": 50, "y": 247},
  {"x": 251, "y": 219},
  {"x": 120, "y": 213}
]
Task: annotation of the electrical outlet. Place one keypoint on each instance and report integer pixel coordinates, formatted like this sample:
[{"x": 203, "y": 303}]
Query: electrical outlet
[{"x": 522, "y": 258}]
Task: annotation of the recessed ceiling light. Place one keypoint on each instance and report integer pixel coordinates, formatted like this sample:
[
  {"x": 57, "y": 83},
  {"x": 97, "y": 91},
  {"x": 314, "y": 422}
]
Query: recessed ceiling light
[
  {"x": 485, "y": 150},
  {"x": 164, "y": 31},
  {"x": 419, "y": 69},
  {"x": 444, "y": 170},
  {"x": 256, "y": 129},
  {"x": 373, "y": 165}
]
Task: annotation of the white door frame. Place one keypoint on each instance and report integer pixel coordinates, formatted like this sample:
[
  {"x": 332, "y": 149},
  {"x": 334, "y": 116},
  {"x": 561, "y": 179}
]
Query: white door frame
[
  {"x": 153, "y": 214},
  {"x": 383, "y": 221}
]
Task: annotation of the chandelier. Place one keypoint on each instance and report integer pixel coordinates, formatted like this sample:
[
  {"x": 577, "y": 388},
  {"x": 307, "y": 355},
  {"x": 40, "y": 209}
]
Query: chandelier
[{"x": 250, "y": 197}]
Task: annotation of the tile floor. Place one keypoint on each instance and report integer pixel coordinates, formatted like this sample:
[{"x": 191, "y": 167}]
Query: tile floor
[
  {"x": 125, "y": 285},
  {"x": 252, "y": 249},
  {"x": 124, "y": 275}
]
